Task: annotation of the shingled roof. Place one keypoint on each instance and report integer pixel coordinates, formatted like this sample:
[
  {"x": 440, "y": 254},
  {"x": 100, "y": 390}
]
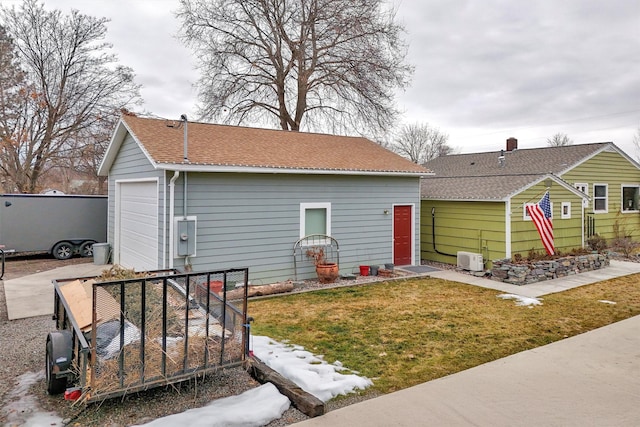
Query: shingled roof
[
  {"x": 482, "y": 176},
  {"x": 213, "y": 147}
]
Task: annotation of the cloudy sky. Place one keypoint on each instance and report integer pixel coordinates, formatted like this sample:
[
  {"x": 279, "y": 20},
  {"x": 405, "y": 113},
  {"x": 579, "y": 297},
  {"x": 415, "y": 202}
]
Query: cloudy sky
[{"x": 484, "y": 70}]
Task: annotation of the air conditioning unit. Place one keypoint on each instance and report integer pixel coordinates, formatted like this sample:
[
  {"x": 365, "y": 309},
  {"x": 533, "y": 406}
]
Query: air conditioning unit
[{"x": 470, "y": 261}]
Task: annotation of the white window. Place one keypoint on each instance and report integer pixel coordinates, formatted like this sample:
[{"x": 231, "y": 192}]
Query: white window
[
  {"x": 584, "y": 187},
  {"x": 525, "y": 214},
  {"x": 600, "y": 198},
  {"x": 630, "y": 198},
  {"x": 315, "y": 218},
  {"x": 565, "y": 213}
]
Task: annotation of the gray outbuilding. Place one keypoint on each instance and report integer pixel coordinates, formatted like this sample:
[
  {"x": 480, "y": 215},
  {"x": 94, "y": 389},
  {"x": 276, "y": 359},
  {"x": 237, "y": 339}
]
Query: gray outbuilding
[{"x": 204, "y": 196}]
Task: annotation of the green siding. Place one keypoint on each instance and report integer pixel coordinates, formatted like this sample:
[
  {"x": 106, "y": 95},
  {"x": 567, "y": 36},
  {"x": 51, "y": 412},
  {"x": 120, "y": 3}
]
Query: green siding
[
  {"x": 610, "y": 168},
  {"x": 479, "y": 227},
  {"x": 567, "y": 232},
  {"x": 462, "y": 226}
]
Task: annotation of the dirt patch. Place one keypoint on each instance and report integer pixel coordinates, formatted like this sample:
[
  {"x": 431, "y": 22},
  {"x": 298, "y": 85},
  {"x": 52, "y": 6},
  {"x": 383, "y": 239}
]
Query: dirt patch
[{"x": 18, "y": 266}]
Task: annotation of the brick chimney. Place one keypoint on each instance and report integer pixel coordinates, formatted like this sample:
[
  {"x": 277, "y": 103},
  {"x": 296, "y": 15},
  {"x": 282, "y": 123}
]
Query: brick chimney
[{"x": 512, "y": 144}]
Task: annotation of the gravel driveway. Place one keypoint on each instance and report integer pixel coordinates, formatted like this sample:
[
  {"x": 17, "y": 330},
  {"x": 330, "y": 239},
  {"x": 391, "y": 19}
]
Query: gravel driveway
[{"x": 22, "y": 351}]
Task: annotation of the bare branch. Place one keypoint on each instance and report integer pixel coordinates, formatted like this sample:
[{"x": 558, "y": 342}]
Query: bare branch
[
  {"x": 421, "y": 143},
  {"x": 71, "y": 85},
  {"x": 559, "y": 140},
  {"x": 300, "y": 63}
]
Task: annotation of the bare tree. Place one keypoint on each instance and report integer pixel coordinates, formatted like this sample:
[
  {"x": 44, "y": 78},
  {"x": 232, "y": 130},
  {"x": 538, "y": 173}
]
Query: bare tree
[
  {"x": 333, "y": 63},
  {"x": 559, "y": 140},
  {"x": 12, "y": 90},
  {"x": 421, "y": 143},
  {"x": 72, "y": 84}
]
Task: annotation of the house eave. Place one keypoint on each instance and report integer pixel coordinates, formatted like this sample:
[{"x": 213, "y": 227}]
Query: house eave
[{"x": 183, "y": 167}]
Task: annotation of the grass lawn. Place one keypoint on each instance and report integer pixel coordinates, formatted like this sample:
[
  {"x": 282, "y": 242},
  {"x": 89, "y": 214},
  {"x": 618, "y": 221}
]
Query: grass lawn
[{"x": 406, "y": 332}]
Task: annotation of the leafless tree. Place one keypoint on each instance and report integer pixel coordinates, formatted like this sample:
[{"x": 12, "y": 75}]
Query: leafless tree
[
  {"x": 333, "y": 63},
  {"x": 12, "y": 89},
  {"x": 421, "y": 143},
  {"x": 72, "y": 84},
  {"x": 559, "y": 140}
]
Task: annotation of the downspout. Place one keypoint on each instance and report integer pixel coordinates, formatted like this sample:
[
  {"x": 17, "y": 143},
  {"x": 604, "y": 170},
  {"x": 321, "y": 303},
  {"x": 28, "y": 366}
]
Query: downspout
[
  {"x": 164, "y": 220},
  {"x": 185, "y": 158},
  {"x": 507, "y": 229},
  {"x": 172, "y": 186},
  {"x": 433, "y": 233}
]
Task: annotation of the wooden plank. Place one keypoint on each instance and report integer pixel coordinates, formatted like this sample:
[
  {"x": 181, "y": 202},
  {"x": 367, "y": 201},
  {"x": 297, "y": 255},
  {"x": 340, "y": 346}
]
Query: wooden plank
[
  {"x": 79, "y": 297},
  {"x": 305, "y": 402},
  {"x": 79, "y": 302}
]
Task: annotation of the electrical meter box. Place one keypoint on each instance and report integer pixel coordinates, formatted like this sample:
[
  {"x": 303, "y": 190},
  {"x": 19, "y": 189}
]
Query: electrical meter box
[{"x": 186, "y": 236}]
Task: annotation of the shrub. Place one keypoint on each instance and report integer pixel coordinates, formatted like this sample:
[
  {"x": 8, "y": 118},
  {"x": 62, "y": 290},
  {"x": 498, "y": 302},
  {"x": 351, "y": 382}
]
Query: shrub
[{"x": 597, "y": 243}]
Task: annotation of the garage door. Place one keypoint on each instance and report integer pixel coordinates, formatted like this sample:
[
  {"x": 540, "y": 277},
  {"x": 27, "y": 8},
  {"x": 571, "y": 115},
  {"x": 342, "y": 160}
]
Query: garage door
[{"x": 138, "y": 225}]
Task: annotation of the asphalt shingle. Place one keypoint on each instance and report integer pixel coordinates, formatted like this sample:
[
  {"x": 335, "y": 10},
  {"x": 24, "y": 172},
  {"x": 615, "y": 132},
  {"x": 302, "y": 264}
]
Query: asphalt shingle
[
  {"x": 234, "y": 146},
  {"x": 483, "y": 176}
]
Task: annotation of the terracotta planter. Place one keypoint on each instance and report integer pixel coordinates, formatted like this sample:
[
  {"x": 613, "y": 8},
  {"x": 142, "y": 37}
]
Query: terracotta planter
[
  {"x": 215, "y": 286},
  {"x": 327, "y": 273}
]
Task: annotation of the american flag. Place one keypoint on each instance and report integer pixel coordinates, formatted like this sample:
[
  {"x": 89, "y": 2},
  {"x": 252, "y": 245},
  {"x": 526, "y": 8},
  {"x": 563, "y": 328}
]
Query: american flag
[{"x": 540, "y": 213}]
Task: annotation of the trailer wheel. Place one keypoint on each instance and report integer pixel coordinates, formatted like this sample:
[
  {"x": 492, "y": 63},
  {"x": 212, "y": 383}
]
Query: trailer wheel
[
  {"x": 62, "y": 250},
  {"x": 58, "y": 358},
  {"x": 86, "y": 249}
]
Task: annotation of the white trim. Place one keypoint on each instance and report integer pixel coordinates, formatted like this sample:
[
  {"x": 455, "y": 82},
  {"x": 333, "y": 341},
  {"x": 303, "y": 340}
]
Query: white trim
[
  {"x": 606, "y": 198},
  {"x": 117, "y": 212},
  {"x": 314, "y": 205},
  {"x": 507, "y": 229},
  {"x": 272, "y": 170},
  {"x": 584, "y": 187},
  {"x": 622, "y": 187},
  {"x": 564, "y": 215},
  {"x": 413, "y": 230},
  {"x": 527, "y": 217}
]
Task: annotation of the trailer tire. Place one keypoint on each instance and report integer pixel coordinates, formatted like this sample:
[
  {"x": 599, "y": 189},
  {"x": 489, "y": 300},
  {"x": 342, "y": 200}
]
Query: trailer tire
[
  {"x": 58, "y": 358},
  {"x": 62, "y": 250},
  {"x": 86, "y": 248}
]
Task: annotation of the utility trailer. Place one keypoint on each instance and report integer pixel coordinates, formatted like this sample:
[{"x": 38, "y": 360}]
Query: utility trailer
[
  {"x": 128, "y": 335},
  {"x": 62, "y": 225}
]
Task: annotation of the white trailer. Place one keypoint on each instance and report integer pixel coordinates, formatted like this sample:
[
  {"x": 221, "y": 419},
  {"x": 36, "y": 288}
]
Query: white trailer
[{"x": 62, "y": 225}]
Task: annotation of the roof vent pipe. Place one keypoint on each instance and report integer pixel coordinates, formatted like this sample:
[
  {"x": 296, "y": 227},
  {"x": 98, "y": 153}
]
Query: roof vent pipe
[
  {"x": 501, "y": 159},
  {"x": 183, "y": 117}
]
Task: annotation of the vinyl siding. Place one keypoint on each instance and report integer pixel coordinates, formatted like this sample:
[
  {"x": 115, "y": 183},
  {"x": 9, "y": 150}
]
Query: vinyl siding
[
  {"x": 567, "y": 232},
  {"x": 131, "y": 164},
  {"x": 613, "y": 169},
  {"x": 462, "y": 226},
  {"x": 253, "y": 220},
  {"x": 479, "y": 227}
]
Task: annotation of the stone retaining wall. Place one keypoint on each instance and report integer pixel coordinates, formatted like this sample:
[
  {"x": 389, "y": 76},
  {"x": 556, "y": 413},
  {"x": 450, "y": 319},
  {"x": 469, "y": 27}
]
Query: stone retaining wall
[{"x": 521, "y": 274}]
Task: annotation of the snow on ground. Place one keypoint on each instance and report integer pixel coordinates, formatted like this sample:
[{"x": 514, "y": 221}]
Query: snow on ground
[
  {"x": 520, "y": 300},
  {"x": 266, "y": 403},
  {"x": 308, "y": 371}
]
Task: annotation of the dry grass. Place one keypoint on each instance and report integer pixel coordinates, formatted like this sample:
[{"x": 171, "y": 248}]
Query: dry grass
[{"x": 403, "y": 333}]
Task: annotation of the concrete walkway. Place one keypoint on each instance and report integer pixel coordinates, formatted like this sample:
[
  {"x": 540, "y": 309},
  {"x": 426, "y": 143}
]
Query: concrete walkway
[
  {"x": 592, "y": 379},
  {"x": 32, "y": 295},
  {"x": 616, "y": 269}
]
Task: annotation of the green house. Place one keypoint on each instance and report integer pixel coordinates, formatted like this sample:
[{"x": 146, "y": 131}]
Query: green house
[{"x": 475, "y": 203}]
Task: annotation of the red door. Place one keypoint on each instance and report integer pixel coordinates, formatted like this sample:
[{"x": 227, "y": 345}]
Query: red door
[{"x": 402, "y": 237}]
